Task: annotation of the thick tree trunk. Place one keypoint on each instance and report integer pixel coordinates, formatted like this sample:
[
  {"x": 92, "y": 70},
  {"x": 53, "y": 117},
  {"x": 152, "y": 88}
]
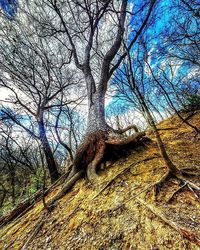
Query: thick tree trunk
[
  {"x": 96, "y": 133},
  {"x": 51, "y": 164},
  {"x": 96, "y": 114}
]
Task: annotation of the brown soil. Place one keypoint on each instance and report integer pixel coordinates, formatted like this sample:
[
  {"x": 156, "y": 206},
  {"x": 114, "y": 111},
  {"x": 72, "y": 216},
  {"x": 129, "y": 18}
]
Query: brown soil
[{"x": 120, "y": 212}]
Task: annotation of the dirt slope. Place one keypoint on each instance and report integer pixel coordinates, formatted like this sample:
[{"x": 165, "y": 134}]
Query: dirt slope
[{"x": 121, "y": 212}]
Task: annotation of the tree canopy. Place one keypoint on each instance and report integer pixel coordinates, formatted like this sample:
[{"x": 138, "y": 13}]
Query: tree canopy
[{"x": 85, "y": 78}]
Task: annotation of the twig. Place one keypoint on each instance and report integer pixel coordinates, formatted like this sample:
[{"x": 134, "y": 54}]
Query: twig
[
  {"x": 65, "y": 188},
  {"x": 175, "y": 192}
]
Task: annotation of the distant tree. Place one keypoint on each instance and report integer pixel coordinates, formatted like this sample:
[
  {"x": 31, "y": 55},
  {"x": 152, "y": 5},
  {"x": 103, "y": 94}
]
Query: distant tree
[
  {"x": 181, "y": 39},
  {"x": 183, "y": 48},
  {"x": 35, "y": 73},
  {"x": 16, "y": 161},
  {"x": 135, "y": 76}
]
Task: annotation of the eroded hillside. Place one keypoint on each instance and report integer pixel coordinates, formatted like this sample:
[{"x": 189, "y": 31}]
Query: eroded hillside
[{"x": 121, "y": 211}]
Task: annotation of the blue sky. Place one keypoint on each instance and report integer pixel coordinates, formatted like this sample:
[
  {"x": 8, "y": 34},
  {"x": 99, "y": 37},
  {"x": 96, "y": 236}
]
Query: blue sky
[
  {"x": 9, "y": 7},
  {"x": 163, "y": 17},
  {"x": 163, "y": 14}
]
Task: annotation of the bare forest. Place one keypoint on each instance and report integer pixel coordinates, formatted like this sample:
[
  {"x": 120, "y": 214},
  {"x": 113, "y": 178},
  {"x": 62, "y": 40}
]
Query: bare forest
[{"x": 99, "y": 114}]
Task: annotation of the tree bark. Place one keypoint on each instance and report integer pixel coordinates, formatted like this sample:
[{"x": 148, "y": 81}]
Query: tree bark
[
  {"x": 97, "y": 130},
  {"x": 12, "y": 183},
  {"x": 51, "y": 164}
]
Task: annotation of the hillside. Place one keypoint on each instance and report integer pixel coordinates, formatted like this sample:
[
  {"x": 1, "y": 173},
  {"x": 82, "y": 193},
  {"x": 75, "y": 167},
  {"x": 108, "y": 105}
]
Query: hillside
[{"x": 121, "y": 211}]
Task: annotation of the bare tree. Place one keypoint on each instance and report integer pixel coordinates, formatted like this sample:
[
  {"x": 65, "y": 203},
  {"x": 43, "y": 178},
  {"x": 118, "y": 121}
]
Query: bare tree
[
  {"x": 135, "y": 83},
  {"x": 93, "y": 53},
  {"x": 35, "y": 72},
  {"x": 181, "y": 44},
  {"x": 19, "y": 157}
]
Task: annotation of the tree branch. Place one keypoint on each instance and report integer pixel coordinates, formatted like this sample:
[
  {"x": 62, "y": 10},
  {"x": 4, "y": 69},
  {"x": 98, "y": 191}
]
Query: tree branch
[
  {"x": 134, "y": 38},
  {"x": 113, "y": 50}
]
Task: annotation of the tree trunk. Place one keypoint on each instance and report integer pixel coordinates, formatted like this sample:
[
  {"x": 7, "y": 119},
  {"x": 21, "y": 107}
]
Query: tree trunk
[
  {"x": 3, "y": 196},
  {"x": 12, "y": 180},
  {"x": 96, "y": 133},
  {"x": 96, "y": 114},
  {"x": 51, "y": 164},
  {"x": 152, "y": 124}
]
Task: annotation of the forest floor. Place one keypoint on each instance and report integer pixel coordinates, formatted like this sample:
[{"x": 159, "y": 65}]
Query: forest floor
[{"x": 121, "y": 211}]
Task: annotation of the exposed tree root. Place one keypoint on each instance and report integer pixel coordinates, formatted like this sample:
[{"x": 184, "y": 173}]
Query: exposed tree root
[
  {"x": 88, "y": 156},
  {"x": 64, "y": 189},
  {"x": 123, "y": 141},
  {"x": 36, "y": 229},
  {"x": 124, "y": 171},
  {"x": 91, "y": 168},
  {"x": 121, "y": 131},
  {"x": 161, "y": 181},
  {"x": 185, "y": 232},
  {"x": 175, "y": 192},
  {"x": 16, "y": 212},
  {"x": 181, "y": 188},
  {"x": 88, "y": 149},
  {"x": 190, "y": 171},
  {"x": 178, "y": 174}
]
